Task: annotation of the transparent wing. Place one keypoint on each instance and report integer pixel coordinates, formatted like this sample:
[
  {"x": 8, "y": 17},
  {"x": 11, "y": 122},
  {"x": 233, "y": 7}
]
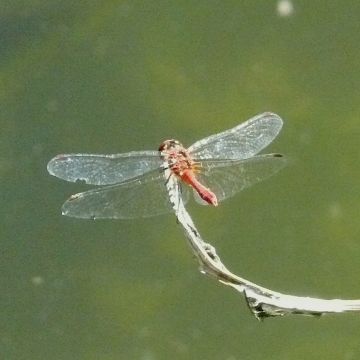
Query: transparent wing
[
  {"x": 240, "y": 142},
  {"x": 226, "y": 178},
  {"x": 103, "y": 169},
  {"x": 143, "y": 196}
]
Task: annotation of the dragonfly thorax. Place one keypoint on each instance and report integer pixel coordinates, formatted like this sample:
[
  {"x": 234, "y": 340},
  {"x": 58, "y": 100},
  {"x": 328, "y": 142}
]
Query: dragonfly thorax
[{"x": 176, "y": 156}]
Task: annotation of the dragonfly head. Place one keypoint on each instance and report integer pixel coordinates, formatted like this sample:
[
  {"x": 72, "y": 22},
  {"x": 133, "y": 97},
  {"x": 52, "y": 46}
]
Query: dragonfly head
[{"x": 170, "y": 145}]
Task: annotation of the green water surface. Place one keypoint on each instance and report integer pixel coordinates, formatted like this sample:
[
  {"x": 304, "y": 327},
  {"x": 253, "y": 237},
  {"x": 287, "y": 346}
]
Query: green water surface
[{"x": 116, "y": 76}]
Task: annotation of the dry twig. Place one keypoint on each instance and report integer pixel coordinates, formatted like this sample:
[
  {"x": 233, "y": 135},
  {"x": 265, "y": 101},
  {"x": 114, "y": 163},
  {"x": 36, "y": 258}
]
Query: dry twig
[{"x": 262, "y": 302}]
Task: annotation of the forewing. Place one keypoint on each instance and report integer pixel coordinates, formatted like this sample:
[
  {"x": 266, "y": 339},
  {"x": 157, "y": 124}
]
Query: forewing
[
  {"x": 240, "y": 142},
  {"x": 226, "y": 178},
  {"x": 96, "y": 169},
  {"x": 144, "y": 196}
]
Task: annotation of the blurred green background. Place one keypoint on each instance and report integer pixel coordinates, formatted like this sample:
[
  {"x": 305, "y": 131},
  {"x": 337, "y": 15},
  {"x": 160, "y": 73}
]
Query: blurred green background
[{"x": 115, "y": 76}]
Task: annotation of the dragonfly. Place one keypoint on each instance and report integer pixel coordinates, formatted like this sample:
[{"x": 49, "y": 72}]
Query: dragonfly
[{"x": 132, "y": 184}]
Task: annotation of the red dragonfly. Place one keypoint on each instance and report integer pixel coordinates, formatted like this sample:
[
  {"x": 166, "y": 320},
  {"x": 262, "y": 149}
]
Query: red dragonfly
[{"x": 216, "y": 168}]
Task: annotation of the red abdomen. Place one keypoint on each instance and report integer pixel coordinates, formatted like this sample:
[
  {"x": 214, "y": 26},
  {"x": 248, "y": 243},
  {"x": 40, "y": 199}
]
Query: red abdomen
[{"x": 207, "y": 195}]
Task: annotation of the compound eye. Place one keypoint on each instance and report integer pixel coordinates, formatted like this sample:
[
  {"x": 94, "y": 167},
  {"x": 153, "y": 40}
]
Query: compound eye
[
  {"x": 169, "y": 144},
  {"x": 165, "y": 145}
]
